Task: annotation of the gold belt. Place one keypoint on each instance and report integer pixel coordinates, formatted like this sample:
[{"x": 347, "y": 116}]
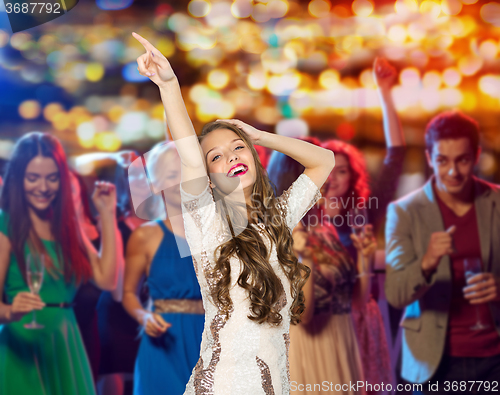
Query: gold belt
[{"x": 188, "y": 306}]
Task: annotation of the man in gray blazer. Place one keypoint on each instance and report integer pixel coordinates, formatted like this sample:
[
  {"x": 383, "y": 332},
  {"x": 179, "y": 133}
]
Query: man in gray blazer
[{"x": 430, "y": 234}]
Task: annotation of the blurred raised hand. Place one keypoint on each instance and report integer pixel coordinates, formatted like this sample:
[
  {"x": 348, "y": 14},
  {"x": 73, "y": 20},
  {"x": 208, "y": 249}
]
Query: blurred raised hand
[
  {"x": 153, "y": 64},
  {"x": 367, "y": 244},
  {"x": 384, "y": 74},
  {"x": 104, "y": 197}
]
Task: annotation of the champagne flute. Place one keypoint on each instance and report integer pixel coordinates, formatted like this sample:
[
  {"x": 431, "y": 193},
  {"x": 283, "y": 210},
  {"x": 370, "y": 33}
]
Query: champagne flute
[
  {"x": 35, "y": 267},
  {"x": 359, "y": 221},
  {"x": 473, "y": 266}
]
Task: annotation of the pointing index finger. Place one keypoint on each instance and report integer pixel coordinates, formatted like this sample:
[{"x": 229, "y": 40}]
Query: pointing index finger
[{"x": 145, "y": 43}]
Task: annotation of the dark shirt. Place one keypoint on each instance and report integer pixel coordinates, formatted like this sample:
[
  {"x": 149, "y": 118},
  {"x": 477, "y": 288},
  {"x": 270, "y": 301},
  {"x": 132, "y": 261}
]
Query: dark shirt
[{"x": 461, "y": 340}]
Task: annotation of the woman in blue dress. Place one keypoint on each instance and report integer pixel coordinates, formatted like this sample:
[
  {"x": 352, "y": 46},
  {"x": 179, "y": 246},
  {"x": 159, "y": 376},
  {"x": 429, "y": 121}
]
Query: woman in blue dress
[{"x": 170, "y": 344}]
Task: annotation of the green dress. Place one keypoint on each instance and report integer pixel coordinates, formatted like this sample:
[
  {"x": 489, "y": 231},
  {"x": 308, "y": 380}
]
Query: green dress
[{"x": 48, "y": 361}]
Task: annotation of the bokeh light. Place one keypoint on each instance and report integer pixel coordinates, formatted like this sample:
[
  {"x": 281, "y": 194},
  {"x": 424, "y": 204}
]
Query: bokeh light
[
  {"x": 319, "y": 8},
  {"x": 451, "y": 7},
  {"x": 490, "y": 13},
  {"x": 242, "y": 8},
  {"x": 405, "y": 7},
  {"x": 329, "y": 79},
  {"x": 51, "y": 110},
  {"x": 199, "y": 8},
  {"x": 21, "y": 41},
  {"x": 220, "y": 15},
  {"x": 282, "y": 85},
  {"x": 488, "y": 49},
  {"x": 131, "y": 74},
  {"x": 257, "y": 79},
  {"x": 107, "y": 141},
  {"x": 410, "y": 77},
  {"x": 432, "y": 79},
  {"x": 30, "y": 109},
  {"x": 362, "y": 7},
  {"x": 366, "y": 79},
  {"x": 397, "y": 33},
  {"x": 490, "y": 85},
  {"x": 433, "y": 8},
  {"x": 470, "y": 65},
  {"x": 218, "y": 79},
  {"x": 277, "y": 8},
  {"x": 452, "y": 77},
  {"x": 94, "y": 72}
]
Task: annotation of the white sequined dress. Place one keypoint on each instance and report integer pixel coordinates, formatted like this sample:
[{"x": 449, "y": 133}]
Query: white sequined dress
[{"x": 239, "y": 356}]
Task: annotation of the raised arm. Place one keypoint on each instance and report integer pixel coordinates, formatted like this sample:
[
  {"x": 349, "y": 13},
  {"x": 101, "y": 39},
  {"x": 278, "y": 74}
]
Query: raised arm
[
  {"x": 104, "y": 267},
  {"x": 318, "y": 162},
  {"x": 155, "y": 66},
  {"x": 385, "y": 76}
]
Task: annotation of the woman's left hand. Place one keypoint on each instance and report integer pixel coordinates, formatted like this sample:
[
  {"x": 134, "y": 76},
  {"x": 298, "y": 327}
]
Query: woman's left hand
[
  {"x": 252, "y": 133},
  {"x": 104, "y": 197},
  {"x": 366, "y": 245}
]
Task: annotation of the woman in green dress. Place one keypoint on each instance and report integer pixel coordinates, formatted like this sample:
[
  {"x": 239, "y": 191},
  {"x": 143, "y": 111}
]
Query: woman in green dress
[{"x": 38, "y": 218}]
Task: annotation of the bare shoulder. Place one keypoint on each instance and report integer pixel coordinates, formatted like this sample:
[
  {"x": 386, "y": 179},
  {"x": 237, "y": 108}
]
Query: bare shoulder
[
  {"x": 146, "y": 230},
  {"x": 145, "y": 236}
]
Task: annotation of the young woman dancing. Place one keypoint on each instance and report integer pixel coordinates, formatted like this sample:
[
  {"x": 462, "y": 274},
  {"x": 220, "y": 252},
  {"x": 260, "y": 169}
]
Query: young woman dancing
[
  {"x": 38, "y": 219},
  {"x": 249, "y": 276}
]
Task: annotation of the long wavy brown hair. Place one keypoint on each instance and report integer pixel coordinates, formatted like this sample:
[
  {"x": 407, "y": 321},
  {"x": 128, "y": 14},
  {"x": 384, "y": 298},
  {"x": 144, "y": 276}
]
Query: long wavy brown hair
[{"x": 258, "y": 278}]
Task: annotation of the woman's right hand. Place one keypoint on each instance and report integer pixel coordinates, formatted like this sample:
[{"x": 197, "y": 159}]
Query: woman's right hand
[
  {"x": 153, "y": 64},
  {"x": 23, "y": 303},
  {"x": 155, "y": 325},
  {"x": 253, "y": 134}
]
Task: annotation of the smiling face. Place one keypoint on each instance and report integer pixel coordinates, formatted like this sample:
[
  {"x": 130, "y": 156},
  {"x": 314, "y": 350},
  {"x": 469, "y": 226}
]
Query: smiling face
[
  {"x": 41, "y": 182},
  {"x": 453, "y": 163},
  {"x": 228, "y": 160}
]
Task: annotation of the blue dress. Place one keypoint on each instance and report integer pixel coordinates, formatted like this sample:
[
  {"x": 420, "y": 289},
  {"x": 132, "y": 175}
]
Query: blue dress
[{"x": 164, "y": 364}]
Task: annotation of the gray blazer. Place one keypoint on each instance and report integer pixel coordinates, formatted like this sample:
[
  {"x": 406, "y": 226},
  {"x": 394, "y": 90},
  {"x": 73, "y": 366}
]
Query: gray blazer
[{"x": 410, "y": 223}]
